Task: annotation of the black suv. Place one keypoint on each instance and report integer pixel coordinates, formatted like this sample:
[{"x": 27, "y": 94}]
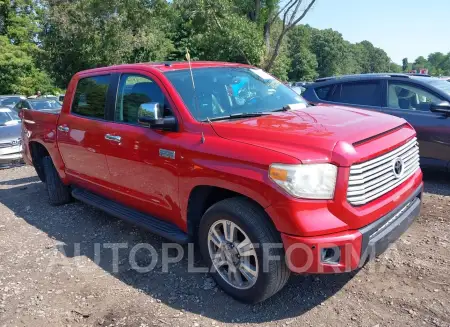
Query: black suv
[{"x": 422, "y": 100}]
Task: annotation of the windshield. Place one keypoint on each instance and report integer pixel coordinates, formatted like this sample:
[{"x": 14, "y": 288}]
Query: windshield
[
  {"x": 45, "y": 104},
  {"x": 8, "y": 117},
  {"x": 9, "y": 101},
  {"x": 227, "y": 91},
  {"x": 440, "y": 84}
]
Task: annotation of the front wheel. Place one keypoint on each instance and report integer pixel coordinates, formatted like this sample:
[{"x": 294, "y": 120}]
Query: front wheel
[{"x": 239, "y": 242}]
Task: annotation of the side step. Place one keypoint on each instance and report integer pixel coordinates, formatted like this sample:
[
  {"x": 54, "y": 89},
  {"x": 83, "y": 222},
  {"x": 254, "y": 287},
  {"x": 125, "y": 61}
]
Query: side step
[{"x": 154, "y": 225}]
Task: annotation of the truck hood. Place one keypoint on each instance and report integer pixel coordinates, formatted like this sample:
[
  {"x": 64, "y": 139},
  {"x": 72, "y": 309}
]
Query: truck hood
[{"x": 313, "y": 131}]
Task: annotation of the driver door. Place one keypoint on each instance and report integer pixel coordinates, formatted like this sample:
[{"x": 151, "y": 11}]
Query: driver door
[
  {"x": 143, "y": 162},
  {"x": 412, "y": 102}
]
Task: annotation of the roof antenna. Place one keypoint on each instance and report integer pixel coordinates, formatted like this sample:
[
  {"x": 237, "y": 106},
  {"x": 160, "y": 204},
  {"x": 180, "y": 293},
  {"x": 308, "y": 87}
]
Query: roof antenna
[{"x": 188, "y": 58}]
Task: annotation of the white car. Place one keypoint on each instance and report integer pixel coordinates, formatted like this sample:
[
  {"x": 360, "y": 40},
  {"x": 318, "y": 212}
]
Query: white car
[{"x": 10, "y": 138}]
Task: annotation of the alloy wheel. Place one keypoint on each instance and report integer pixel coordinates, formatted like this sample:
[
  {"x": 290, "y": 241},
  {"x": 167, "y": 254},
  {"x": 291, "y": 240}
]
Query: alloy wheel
[{"x": 233, "y": 254}]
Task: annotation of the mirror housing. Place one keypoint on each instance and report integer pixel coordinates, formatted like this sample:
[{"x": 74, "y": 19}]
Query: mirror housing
[
  {"x": 440, "y": 107},
  {"x": 151, "y": 114}
]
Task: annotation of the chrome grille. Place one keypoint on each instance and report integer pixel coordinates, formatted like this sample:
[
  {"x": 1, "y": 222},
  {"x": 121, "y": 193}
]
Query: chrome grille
[{"x": 373, "y": 178}]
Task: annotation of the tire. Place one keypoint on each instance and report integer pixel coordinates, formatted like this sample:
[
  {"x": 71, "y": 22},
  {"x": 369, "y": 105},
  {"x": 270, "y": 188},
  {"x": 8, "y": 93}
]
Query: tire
[
  {"x": 254, "y": 222},
  {"x": 58, "y": 193}
]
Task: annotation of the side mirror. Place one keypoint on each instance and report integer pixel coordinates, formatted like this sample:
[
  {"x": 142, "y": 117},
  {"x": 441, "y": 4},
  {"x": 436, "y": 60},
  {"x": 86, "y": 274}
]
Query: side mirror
[
  {"x": 440, "y": 107},
  {"x": 151, "y": 114}
]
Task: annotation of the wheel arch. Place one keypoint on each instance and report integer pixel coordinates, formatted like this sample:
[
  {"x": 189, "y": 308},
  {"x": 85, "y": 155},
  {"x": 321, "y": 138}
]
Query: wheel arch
[
  {"x": 38, "y": 151},
  {"x": 203, "y": 197}
]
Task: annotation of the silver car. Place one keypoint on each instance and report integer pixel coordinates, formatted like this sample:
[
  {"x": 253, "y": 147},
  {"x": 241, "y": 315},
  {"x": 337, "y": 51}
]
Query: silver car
[{"x": 10, "y": 138}]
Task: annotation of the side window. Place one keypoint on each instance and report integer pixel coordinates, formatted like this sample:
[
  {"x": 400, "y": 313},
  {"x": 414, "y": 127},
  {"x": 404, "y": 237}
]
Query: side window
[
  {"x": 23, "y": 105},
  {"x": 409, "y": 97},
  {"x": 90, "y": 96},
  {"x": 323, "y": 92},
  {"x": 134, "y": 90},
  {"x": 360, "y": 93}
]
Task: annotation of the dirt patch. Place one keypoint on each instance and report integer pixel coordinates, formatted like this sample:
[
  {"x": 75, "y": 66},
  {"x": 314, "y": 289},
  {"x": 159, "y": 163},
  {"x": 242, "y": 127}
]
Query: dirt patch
[{"x": 52, "y": 274}]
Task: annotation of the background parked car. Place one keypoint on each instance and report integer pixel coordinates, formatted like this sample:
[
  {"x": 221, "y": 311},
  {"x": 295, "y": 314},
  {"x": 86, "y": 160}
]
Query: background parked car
[
  {"x": 298, "y": 89},
  {"x": 423, "y": 101},
  {"x": 10, "y": 100},
  {"x": 10, "y": 138},
  {"x": 41, "y": 104},
  {"x": 300, "y": 83}
]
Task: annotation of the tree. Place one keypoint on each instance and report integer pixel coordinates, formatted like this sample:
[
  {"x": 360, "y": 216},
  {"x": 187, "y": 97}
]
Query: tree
[
  {"x": 331, "y": 52},
  {"x": 18, "y": 73},
  {"x": 395, "y": 68},
  {"x": 371, "y": 59},
  {"x": 303, "y": 62},
  {"x": 291, "y": 13},
  {"x": 91, "y": 33},
  {"x": 405, "y": 64},
  {"x": 304, "y": 66},
  {"x": 435, "y": 63},
  {"x": 215, "y": 30},
  {"x": 20, "y": 20},
  {"x": 420, "y": 62},
  {"x": 380, "y": 61},
  {"x": 19, "y": 26}
]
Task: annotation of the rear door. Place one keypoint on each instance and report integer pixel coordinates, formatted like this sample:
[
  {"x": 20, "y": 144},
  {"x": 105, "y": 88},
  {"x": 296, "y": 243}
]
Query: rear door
[
  {"x": 81, "y": 132},
  {"x": 412, "y": 102}
]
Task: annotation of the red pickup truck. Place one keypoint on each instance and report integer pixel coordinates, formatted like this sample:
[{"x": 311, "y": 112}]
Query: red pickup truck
[{"x": 226, "y": 155}]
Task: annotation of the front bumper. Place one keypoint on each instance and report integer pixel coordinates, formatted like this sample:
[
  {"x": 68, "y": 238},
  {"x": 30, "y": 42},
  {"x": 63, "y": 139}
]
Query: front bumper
[
  {"x": 9, "y": 159},
  {"x": 304, "y": 254}
]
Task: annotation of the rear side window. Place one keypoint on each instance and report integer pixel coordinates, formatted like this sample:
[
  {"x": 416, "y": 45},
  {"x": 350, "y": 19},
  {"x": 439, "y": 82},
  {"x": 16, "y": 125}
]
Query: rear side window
[
  {"x": 90, "y": 96},
  {"x": 322, "y": 92},
  {"x": 363, "y": 93}
]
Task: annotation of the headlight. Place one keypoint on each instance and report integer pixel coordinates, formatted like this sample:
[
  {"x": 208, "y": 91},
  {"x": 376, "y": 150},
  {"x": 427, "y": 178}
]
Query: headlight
[{"x": 314, "y": 181}]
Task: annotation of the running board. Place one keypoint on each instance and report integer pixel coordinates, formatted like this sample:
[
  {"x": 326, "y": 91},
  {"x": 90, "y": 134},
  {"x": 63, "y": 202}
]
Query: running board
[{"x": 154, "y": 225}]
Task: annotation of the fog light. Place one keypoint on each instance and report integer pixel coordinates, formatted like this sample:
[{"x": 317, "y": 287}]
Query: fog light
[{"x": 330, "y": 255}]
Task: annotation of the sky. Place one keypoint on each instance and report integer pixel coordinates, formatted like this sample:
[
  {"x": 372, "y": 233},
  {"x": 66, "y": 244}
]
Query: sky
[{"x": 402, "y": 28}]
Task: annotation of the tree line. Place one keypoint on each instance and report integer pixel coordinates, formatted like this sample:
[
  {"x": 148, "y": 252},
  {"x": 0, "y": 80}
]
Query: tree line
[{"x": 44, "y": 42}]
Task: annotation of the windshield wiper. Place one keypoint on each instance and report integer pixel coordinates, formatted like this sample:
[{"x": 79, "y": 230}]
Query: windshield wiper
[
  {"x": 285, "y": 108},
  {"x": 238, "y": 115},
  {"x": 291, "y": 107}
]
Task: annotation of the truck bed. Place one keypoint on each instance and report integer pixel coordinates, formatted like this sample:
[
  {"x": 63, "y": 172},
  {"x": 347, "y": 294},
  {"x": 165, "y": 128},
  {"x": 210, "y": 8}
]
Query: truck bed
[{"x": 40, "y": 127}]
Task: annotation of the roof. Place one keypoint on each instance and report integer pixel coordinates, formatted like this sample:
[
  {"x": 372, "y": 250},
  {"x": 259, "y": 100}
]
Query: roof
[
  {"x": 165, "y": 66},
  {"x": 5, "y": 110},
  {"x": 363, "y": 76},
  {"x": 369, "y": 76},
  {"x": 40, "y": 99}
]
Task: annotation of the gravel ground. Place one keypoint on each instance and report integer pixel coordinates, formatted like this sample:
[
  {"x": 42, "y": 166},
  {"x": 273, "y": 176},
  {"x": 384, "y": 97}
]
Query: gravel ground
[{"x": 50, "y": 274}]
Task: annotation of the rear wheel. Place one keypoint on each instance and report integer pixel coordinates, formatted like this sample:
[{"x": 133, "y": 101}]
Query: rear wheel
[
  {"x": 58, "y": 193},
  {"x": 233, "y": 236}
]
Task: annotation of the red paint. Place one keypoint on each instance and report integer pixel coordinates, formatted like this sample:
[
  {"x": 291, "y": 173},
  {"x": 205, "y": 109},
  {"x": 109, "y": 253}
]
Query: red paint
[
  {"x": 236, "y": 156},
  {"x": 303, "y": 253}
]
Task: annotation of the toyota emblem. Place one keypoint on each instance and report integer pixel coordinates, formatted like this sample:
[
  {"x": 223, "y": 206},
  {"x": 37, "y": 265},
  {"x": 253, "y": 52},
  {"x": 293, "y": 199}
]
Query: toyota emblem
[{"x": 398, "y": 167}]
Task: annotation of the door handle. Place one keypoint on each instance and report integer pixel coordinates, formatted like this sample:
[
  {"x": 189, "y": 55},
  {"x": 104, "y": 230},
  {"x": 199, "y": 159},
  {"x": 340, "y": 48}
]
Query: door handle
[
  {"x": 114, "y": 138},
  {"x": 63, "y": 128}
]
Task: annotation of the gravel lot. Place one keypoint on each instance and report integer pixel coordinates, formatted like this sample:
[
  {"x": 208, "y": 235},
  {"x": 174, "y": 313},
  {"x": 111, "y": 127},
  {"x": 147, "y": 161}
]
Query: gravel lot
[{"x": 50, "y": 275}]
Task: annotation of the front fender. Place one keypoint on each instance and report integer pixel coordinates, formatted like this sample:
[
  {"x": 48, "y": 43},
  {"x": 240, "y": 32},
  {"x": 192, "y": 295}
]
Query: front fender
[{"x": 245, "y": 179}]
